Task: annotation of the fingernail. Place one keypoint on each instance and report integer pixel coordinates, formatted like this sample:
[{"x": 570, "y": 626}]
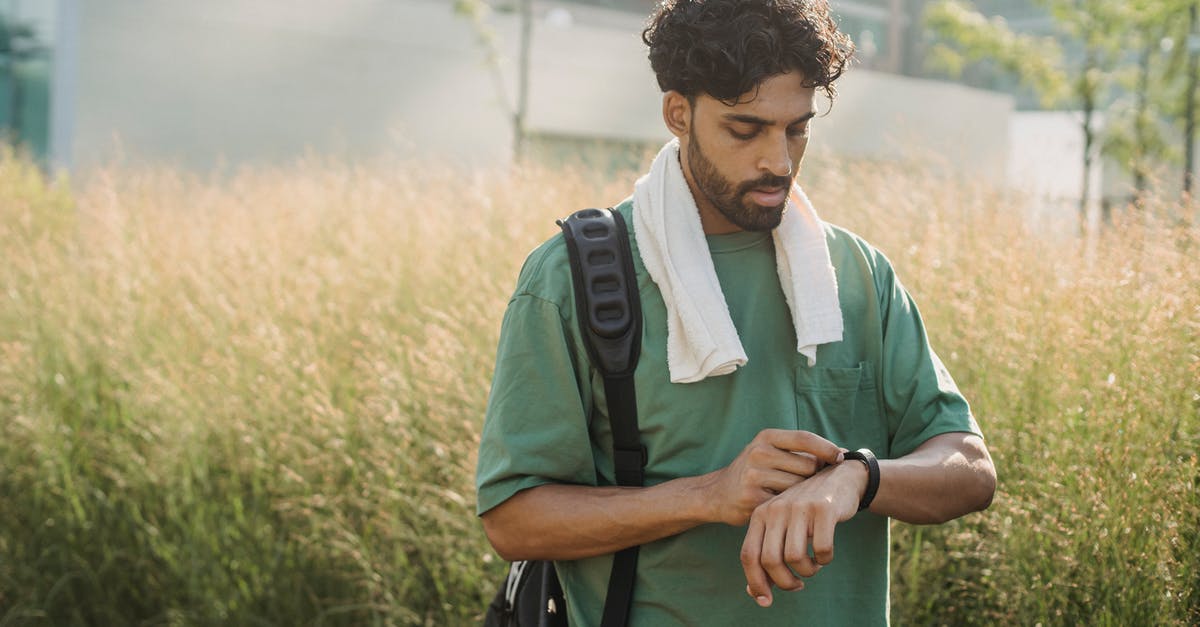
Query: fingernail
[
  {"x": 841, "y": 458},
  {"x": 763, "y": 601}
]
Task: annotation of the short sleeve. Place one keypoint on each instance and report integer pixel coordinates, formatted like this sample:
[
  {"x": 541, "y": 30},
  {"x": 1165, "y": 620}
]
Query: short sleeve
[
  {"x": 536, "y": 428},
  {"x": 920, "y": 397}
]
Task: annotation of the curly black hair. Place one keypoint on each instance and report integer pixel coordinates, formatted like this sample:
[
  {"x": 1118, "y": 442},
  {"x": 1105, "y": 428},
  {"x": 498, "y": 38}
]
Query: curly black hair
[{"x": 726, "y": 48}]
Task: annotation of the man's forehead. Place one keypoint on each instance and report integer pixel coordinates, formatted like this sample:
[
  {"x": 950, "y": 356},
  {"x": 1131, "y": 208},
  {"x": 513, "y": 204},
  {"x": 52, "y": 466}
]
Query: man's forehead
[
  {"x": 775, "y": 109},
  {"x": 782, "y": 96}
]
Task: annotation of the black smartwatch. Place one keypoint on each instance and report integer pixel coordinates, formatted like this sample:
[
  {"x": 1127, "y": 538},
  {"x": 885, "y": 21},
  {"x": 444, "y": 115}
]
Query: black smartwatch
[{"x": 865, "y": 456}]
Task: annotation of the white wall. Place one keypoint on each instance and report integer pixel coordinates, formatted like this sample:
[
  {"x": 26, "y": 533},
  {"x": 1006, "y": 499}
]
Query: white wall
[
  {"x": 1046, "y": 161},
  {"x": 886, "y": 116},
  {"x": 593, "y": 81},
  {"x": 194, "y": 83}
]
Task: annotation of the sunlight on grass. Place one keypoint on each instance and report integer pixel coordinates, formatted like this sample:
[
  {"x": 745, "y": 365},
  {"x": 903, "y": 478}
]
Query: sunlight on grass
[{"x": 256, "y": 400}]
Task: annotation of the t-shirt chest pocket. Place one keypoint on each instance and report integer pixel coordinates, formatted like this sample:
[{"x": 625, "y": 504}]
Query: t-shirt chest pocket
[{"x": 842, "y": 405}]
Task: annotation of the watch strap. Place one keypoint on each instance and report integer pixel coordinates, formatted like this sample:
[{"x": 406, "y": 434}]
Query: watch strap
[{"x": 865, "y": 456}]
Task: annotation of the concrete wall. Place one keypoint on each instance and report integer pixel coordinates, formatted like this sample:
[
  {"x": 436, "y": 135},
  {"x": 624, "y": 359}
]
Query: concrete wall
[
  {"x": 1046, "y": 162},
  {"x": 885, "y": 116},
  {"x": 198, "y": 83}
]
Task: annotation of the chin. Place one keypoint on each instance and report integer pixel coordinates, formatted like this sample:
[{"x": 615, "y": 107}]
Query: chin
[{"x": 766, "y": 218}]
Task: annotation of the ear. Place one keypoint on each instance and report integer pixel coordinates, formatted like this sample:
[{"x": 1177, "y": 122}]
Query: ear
[{"x": 677, "y": 113}]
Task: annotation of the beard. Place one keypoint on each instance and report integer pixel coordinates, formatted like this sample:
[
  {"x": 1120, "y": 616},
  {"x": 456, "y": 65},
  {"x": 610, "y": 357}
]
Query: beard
[{"x": 730, "y": 200}]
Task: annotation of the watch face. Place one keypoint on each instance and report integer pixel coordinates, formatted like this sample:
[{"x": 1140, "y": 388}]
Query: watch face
[{"x": 861, "y": 454}]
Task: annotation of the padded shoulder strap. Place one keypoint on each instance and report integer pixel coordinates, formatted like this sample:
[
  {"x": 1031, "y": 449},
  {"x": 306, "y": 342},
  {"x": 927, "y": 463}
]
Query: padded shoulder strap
[
  {"x": 610, "y": 320},
  {"x": 606, "y": 295}
]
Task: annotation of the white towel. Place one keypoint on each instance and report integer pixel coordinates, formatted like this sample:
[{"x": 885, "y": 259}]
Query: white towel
[{"x": 701, "y": 338}]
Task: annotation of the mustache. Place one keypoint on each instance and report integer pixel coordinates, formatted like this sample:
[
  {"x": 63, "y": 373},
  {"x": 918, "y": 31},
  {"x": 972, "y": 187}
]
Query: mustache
[{"x": 766, "y": 180}]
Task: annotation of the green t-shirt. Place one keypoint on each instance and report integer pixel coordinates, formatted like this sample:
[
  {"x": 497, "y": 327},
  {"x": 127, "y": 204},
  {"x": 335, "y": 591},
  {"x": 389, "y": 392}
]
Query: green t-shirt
[{"x": 881, "y": 387}]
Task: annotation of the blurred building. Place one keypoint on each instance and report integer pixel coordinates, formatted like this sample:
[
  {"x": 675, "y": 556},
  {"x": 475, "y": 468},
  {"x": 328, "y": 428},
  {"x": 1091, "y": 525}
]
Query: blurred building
[
  {"x": 231, "y": 82},
  {"x": 887, "y": 32},
  {"x": 26, "y": 35}
]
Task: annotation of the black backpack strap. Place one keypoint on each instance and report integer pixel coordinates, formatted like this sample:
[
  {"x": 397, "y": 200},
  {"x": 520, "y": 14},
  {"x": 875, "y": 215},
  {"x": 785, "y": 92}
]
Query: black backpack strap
[
  {"x": 610, "y": 320},
  {"x": 606, "y": 296}
]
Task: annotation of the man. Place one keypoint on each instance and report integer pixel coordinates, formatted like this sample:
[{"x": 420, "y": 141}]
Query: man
[{"x": 772, "y": 344}]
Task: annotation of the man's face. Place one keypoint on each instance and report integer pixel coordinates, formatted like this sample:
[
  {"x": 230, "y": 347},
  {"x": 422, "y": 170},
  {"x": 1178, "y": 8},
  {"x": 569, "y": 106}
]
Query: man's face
[{"x": 740, "y": 160}]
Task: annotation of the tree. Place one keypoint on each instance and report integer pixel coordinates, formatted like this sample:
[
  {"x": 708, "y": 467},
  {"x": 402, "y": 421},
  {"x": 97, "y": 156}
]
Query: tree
[
  {"x": 477, "y": 11},
  {"x": 1150, "y": 92},
  {"x": 964, "y": 36},
  {"x": 1115, "y": 57},
  {"x": 1096, "y": 25}
]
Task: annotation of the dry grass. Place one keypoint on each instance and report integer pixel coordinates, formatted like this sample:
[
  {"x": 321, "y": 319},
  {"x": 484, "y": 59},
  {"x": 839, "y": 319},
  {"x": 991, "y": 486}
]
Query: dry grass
[{"x": 257, "y": 399}]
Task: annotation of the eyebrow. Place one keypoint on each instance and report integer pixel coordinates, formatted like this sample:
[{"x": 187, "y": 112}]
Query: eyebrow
[{"x": 753, "y": 119}]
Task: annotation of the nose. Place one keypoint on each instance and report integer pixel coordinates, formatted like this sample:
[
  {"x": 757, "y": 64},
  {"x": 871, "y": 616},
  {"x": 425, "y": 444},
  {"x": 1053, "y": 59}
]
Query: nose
[{"x": 777, "y": 156}]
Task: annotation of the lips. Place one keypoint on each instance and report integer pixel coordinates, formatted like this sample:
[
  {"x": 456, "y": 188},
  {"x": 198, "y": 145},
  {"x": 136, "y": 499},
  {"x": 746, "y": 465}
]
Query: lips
[{"x": 768, "y": 196}]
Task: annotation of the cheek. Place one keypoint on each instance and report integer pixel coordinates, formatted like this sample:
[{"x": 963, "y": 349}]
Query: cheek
[
  {"x": 739, "y": 161},
  {"x": 727, "y": 160}
]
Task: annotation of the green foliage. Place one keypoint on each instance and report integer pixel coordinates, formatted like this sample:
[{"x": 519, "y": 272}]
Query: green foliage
[
  {"x": 257, "y": 401},
  {"x": 965, "y": 36},
  {"x": 1126, "y": 60}
]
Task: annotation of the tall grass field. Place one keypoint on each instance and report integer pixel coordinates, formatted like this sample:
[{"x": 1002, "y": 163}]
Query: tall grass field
[{"x": 256, "y": 399}]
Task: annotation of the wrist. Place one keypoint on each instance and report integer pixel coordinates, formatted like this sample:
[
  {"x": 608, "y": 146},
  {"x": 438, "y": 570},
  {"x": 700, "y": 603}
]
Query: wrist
[
  {"x": 702, "y": 506},
  {"x": 864, "y": 459},
  {"x": 854, "y": 478}
]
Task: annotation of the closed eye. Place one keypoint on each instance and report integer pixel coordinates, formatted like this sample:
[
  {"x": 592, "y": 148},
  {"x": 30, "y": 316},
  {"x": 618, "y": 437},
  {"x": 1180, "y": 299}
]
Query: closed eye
[
  {"x": 744, "y": 136},
  {"x": 801, "y": 131}
]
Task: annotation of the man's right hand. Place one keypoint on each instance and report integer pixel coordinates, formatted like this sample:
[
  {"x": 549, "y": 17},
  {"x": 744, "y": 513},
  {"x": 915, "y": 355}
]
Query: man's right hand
[{"x": 775, "y": 460}]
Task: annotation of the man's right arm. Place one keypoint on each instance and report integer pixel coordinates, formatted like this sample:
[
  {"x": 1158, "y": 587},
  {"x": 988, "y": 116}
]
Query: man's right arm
[{"x": 565, "y": 522}]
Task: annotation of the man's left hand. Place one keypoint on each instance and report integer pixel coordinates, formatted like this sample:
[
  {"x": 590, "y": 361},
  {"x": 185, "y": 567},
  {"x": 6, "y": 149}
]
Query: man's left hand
[{"x": 781, "y": 531}]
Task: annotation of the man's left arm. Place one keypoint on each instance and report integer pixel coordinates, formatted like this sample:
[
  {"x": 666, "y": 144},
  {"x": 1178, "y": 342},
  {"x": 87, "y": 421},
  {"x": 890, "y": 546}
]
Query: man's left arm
[
  {"x": 948, "y": 476},
  {"x": 939, "y": 468}
]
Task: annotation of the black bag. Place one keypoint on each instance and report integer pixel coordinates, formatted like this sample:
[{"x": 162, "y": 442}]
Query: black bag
[
  {"x": 610, "y": 321},
  {"x": 531, "y": 595}
]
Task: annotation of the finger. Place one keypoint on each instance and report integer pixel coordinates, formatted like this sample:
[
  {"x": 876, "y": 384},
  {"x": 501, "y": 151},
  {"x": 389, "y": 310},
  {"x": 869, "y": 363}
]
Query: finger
[
  {"x": 796, "y": 548},
  {"x": 758, "y": 585},
  {"x": 777, "y": 480},
  {"x": 773, "y": 558},
  {"x": 822, "y": 536},
  {"x": 804, "y": 464},
  {"x": 805, "y": 442}
]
